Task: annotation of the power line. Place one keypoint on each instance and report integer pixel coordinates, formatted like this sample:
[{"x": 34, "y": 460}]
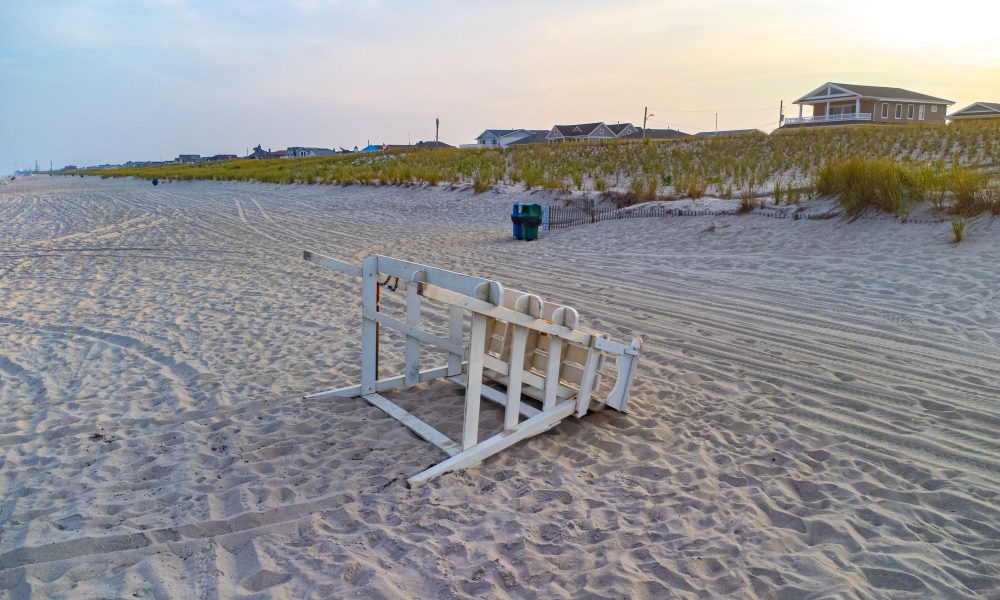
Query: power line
[{"x": 714, "y": 111}]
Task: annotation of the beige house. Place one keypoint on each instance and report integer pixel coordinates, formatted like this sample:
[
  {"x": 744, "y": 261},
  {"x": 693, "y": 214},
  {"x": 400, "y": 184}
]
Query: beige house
[
  {"x": 978, "y": 110},
  {"x": 844, "y": 103}
]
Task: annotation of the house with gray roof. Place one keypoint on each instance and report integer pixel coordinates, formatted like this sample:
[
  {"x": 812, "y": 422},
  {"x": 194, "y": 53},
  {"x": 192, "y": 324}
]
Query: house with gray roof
[
  {"x": 977, "y": 110},
  {"x": 303, "y": 152},
  {"x": 657, "y": 134},
  {"x": 501, "y": 138},
  {"x": 581, "y": 132},
  {"x": 848, "y": 103}
]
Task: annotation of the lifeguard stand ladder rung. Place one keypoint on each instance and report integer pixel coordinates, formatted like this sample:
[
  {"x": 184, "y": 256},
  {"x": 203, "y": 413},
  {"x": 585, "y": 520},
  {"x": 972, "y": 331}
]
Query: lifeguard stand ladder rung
[{"x": 533, "y": 348}]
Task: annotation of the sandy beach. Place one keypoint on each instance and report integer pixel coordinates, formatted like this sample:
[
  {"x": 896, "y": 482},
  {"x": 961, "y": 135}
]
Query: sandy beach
[{"x": 815, "y": 413}]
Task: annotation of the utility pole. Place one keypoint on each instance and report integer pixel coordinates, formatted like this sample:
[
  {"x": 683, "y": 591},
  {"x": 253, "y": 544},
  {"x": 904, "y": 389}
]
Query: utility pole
[
  {"x": 716, "y": 124},
  {"x": 781, "y": 114},
  {"x": 437, "y": 130},
  {"x": 645, "y": 117}
]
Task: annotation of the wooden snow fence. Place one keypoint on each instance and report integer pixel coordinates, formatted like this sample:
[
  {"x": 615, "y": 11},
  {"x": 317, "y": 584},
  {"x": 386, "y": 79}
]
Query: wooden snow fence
[{"x": 548, "y": 364}]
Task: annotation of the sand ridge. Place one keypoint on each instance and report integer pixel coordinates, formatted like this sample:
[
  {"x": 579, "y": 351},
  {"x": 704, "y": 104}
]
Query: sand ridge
[{"x": 814, "y": 414}]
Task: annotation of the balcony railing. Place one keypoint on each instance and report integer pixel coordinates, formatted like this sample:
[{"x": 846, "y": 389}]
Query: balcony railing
[{"x": 828, "y": 118}]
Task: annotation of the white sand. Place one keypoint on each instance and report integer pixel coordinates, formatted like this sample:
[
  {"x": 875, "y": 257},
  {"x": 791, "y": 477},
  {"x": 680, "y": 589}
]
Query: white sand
[{"x": 815, "y": 414}]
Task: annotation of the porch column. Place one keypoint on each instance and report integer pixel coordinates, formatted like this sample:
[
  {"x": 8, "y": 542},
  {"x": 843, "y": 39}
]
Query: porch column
[
  {"x": 857, "y": 107},
  {"x": 827, "y": 110},
  {"x": 800, "y": 112}
]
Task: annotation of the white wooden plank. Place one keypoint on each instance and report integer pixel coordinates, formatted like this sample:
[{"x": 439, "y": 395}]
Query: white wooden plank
[
  {"x": 456, "y": 328},
  {"x": 369, "y": 328},
  {"x": 627, "y": 364},
  {"x": 504, "y": 314},
  {"x": 533, "y": 386},
  {"x": 333, "y": 263},
  {"x": 473, "y": 391},
  {"x": 499, "y": 372},
  {"x": 552, "y": 373},
  {"x": 496, "y": 396},
  {"x": 587, "y": 381},
  {"x": 469, "y": 457},
  {"x": 420, "y": 334},
  {"x": 516, "y": 376},
  {"x": 450, "y": 280},
  {"x": 412, "y": 369},
  {"x": 416, "y": 425},
  {"x": 382, "y": 385}
]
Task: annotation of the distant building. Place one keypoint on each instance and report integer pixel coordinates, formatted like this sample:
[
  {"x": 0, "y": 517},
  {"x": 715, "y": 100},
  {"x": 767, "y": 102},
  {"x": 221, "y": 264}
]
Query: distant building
[
  {"x": 303, "y": 152},
  {"x": 623, "y": 130},
  {"x": 581, "y": 132},
  {"x": 846, "y": 103},
  {"x": 501, "y": 138},
  {"x": 977, "y": 110},
  {"x": 188, "y": 158},
  {"x": 657, "y": 134},
  {"x": 703, "y": 134},
  {"x": 261, "y": 154},
  {"x": 220, "y": 157},
  {"x": 430, "y": 145}
]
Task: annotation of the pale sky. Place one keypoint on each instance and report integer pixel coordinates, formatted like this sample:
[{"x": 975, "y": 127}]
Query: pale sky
[{"x": 92, "y": 81}]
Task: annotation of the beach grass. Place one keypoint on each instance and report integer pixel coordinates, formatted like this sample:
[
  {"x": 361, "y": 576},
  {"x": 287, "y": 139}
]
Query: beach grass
[{"x": 914, "y": 162}]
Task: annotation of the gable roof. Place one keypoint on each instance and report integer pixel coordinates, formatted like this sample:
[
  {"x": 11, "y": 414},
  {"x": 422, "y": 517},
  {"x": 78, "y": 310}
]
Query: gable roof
[
  {"x": 537, "y": 136},
  {"x": 577, "y": 129},
  {"x": 497, "y": 132},
  {"x": 618, "y": 128},
  {"x": 978, "y": 108},
  {"x": 657, "y": 134},
  {"x": 852, "y": 90},
  {"x": 432, "y": 145}
]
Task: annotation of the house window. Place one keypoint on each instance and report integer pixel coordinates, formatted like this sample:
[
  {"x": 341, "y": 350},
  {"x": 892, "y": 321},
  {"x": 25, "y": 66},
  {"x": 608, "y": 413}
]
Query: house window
[
  {"x": 934, "y": 108},
  {"x": 899, "y": 111},
  {"x": 923, "y": 112},
  {"x": 885, "y": 110},
  {"x": 909, "y": 111}
]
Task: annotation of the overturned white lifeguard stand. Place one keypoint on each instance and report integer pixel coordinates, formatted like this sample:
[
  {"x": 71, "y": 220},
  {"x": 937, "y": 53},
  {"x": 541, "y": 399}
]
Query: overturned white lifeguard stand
[{"x": 532, "y": 347}]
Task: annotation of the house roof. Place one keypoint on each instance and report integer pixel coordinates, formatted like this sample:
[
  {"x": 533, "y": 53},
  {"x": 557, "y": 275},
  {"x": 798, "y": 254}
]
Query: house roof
[
  {"x": 978, "y": 108},
  {"x": 497, "y": 132},
  {"x": 316, "y": 151},
  {"x": 577, "y": 129},
  {"x": 727, "y": 132},
  {"x": 658, "y": 134},
  {"x": 852, "y": 90},
  {"x": 537, "y": 136},
  {"x": 617, "y": 128},
  {"x": 432, "y": 144}
]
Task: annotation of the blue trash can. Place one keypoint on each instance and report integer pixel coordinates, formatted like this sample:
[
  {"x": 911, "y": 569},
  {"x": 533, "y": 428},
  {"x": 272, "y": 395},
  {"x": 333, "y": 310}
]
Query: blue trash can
[{"x": 515, "y": 217}]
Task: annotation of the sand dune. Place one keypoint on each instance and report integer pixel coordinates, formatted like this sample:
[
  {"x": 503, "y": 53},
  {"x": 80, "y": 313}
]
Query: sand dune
[{"x": 815, "y": 414}]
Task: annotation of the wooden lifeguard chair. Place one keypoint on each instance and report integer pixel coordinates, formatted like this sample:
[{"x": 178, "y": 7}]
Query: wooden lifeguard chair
[{"x": 532, "y": 348}]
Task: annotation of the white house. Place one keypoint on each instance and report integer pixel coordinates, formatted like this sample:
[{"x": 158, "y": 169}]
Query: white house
[
  {"x": 501, "y": 138},
  {"x": 302, "y": 152}
]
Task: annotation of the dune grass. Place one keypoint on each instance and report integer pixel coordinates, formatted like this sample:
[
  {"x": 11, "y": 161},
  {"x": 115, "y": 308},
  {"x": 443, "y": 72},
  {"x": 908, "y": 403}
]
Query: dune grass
[{"x": 737, "y": 166}]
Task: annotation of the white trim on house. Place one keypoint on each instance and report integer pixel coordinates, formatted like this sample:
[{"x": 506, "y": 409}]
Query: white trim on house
[
  {"x": 899, "y": 112},
  {"x": 828, "y": 88}
]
